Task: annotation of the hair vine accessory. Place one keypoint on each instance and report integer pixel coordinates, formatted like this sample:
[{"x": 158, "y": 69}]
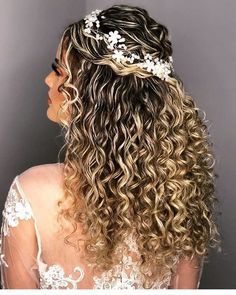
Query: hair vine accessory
[{"x": 115, "y": 42}]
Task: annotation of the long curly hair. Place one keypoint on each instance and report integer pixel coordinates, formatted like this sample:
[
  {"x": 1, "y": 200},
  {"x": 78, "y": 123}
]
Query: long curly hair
[{"x": 137, "y": 152}]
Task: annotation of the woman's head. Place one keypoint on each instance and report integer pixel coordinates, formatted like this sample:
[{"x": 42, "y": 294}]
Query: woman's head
[
  {"x": 88, "y": 60},
  {"x": 137, "y": 152}
]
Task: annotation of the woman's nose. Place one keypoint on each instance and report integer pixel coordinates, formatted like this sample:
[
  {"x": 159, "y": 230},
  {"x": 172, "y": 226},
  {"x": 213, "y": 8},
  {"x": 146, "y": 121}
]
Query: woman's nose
[{"x": 48, "y": 80}]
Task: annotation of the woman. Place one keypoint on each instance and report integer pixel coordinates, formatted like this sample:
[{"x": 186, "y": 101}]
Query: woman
[{"x": 131, "y": 206}]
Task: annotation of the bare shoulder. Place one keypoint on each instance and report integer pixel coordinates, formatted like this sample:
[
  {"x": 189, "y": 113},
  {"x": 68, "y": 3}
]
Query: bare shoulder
[
  {"x": 38, "y": 174},
  {"x": 42, "y": 180}
]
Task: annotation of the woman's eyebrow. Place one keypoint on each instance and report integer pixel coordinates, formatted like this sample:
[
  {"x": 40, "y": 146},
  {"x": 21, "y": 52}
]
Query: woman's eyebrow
[
  {"x": 61, "y": 66},
  {"x": 57, "y": 62}
]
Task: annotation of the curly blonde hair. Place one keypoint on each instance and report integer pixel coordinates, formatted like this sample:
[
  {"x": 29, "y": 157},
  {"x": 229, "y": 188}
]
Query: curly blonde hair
[{"x": 137, "y": 151}]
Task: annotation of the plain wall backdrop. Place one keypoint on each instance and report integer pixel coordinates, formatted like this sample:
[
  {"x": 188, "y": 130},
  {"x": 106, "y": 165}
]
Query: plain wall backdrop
[{"x": 204, "y": 45}]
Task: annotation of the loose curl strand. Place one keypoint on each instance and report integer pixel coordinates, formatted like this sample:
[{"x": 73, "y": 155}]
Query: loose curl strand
[{"x": 137, "y": 152}]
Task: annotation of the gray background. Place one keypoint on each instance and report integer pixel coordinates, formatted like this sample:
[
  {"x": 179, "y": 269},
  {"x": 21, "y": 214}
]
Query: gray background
[{"x": 203, "y": 39}]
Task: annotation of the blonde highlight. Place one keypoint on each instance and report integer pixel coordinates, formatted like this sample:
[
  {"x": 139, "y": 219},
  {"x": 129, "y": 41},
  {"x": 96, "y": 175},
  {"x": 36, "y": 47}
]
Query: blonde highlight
[{"x": 138, "y": 154}]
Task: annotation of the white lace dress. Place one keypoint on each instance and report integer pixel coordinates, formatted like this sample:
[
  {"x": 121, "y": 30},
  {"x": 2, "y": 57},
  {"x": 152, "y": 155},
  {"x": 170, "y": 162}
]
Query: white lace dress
[{"x": 34, "y": 256}]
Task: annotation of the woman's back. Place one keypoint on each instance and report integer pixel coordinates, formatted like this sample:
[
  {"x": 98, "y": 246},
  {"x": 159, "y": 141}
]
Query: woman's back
[
  {"x": 135, "y": 146},
  {"x": 30, "y": 225}
]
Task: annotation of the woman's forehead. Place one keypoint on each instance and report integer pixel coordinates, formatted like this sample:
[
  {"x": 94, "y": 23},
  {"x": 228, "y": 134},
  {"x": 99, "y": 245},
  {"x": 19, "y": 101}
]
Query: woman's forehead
[
  {"x": 61, "y": 50},
  {"x": 60, "y": 59}
]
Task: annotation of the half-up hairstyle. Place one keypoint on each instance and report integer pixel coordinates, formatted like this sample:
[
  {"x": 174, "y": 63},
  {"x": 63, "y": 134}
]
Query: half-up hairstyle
[{"x": 137, "y": 152}]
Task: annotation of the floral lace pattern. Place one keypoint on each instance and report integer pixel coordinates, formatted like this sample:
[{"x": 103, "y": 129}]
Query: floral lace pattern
[
  {"x": 16, "y": 208},
  {"x": 115, "y": 278},
  {"x": 118, "y": 278},
  {"x": 54, "y": 278},
  {"x": 125, "y": 275}
]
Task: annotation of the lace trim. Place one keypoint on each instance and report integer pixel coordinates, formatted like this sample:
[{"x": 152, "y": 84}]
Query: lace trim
[
  {"x": 125, "y": 275},
  {"x": 54, "y": 278},
  {"x": 15, "y": 209},
  {"x": 118, "y": 278}
]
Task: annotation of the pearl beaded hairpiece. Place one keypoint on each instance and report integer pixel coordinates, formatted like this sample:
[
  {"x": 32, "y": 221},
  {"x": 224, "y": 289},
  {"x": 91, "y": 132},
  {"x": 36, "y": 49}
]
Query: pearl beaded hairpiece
[{"x": 158, "y": 67}]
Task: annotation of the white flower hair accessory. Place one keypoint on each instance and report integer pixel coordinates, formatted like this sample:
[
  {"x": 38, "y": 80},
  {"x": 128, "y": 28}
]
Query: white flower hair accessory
[{"x": 116, "y": 43}]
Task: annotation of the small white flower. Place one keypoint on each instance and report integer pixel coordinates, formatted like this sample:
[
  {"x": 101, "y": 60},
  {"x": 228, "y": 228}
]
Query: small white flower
[
  {"x": 135, "y": 55},
  {"x": 157, "y": 70},
  {"x": 97, "y": 11},
  {"x": 121, "y": 40},
  {"x": 114, "y": 36},
  {"x": 156, "y": 60},
  {"x": 89, "y": 23},
  {"x": 98, "y": 37},
  {"x": 118, "y": 55},
  {"x": 122, "y": 46},
  {"x": 141, "y": 65},
  {"x": 130, "y": 59},
  {"x": 87, "y": 30},
  {"x": 90, "y": 19},
  {"x": 150, "y": 66},
  {"x": 148, "y": 56}
]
